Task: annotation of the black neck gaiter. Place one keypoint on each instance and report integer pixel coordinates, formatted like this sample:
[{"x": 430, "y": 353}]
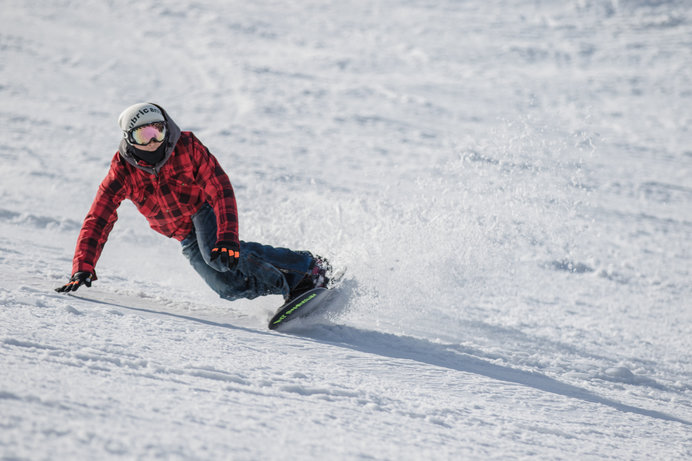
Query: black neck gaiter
[{"x": 152, "y": 158}]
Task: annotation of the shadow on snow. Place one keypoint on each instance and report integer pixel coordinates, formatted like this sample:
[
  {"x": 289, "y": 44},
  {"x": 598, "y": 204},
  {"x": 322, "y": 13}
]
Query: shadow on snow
[
  {"x": 448, "y": 356},
  {"x": 423, "y": 351}
]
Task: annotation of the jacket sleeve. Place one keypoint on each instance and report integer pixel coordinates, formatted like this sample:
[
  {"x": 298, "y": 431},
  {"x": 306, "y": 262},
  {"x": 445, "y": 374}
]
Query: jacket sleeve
[
  {"x": 218, "y": 191},
  {"x": 100, "y": 219}
]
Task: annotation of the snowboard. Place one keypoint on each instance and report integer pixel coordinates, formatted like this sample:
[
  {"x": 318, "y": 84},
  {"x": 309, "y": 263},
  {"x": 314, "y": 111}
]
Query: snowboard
[{"x": 302, "y": 306}]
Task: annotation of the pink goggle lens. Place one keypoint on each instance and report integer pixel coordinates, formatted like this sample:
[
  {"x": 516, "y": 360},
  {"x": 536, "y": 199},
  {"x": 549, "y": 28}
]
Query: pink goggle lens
[{"x": 145, "y": 134}]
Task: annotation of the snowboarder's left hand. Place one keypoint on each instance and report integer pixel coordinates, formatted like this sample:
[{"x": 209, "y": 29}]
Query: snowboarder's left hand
[
  {"x": 227, "y": 252},
  {"x": 77, "y": 280}
]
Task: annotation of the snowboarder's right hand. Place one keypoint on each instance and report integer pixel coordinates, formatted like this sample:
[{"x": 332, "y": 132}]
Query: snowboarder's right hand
[{"x": 77, "y": 280}]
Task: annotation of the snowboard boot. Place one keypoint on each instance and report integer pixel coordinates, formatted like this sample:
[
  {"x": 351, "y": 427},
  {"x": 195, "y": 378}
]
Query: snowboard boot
[{"x": 317, "y": 277}]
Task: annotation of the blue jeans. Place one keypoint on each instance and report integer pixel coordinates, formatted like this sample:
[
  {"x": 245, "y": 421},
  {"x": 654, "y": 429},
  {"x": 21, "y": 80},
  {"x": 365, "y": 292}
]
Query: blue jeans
[{"x": 261, "y": 270}]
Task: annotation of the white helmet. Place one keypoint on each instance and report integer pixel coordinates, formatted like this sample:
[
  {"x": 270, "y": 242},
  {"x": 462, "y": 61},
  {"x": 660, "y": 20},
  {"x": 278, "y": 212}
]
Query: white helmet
[{"x": 139, "y": 114}]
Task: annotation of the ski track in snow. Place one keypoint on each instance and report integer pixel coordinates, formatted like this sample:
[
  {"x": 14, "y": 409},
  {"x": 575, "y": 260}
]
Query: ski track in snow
[{"x": 507, "y": 184}]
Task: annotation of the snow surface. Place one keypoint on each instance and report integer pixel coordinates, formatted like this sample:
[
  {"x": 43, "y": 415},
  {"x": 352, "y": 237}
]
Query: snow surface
[{"x": 507, "y": 183}]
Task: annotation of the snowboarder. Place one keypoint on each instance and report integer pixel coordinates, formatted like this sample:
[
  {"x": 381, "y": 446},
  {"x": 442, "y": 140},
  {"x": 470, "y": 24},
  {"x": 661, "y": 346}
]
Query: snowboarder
[{"x": 183, "y": 192}]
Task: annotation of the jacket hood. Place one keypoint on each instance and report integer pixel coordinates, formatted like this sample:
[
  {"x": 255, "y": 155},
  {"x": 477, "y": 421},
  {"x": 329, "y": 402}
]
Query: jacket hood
[{"x": 127, "y": 152}]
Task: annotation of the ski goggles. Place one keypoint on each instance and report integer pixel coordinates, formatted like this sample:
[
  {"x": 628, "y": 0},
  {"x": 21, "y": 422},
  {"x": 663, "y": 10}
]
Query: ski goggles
[{"x": 143, "y": 135}]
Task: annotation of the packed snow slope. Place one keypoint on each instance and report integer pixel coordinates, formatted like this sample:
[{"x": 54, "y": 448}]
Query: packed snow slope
[{"x": 508, "y": 185}]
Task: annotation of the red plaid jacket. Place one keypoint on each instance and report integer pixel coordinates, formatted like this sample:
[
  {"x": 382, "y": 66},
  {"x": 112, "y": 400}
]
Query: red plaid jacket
[{"x": 190, "y": 177}]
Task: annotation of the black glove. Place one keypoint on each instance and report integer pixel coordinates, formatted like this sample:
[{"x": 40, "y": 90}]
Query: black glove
[
  {"x": 227, "y": 252},
  {"x": 77, "y": 280}
]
